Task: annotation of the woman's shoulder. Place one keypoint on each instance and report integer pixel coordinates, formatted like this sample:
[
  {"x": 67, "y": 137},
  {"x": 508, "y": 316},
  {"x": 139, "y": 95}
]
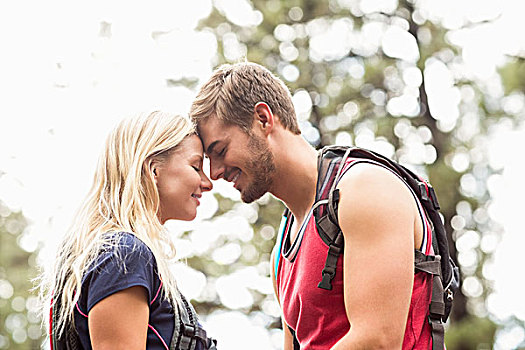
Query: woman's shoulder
[
  {"x": 124, "y": 261},
  {"x": 122, "y": 250},
  {"x": 125, "y": 242}
]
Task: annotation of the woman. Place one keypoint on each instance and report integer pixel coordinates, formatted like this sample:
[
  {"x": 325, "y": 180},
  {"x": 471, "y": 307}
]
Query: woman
[{"x": 111, "y": 286}]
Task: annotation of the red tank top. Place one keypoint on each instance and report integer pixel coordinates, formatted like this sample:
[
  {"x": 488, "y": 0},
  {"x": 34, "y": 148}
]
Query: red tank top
[{"x": 318, "y": 316}]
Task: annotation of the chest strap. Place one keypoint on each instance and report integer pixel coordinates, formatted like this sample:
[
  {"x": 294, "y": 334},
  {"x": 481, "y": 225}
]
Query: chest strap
[
  {"x": 431, "y": 264},
  {"x": 188, "y": 331}
]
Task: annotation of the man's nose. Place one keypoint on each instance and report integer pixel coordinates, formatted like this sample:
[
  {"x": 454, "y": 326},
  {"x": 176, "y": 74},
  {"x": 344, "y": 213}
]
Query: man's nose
[{"x": 216, "y": 169}]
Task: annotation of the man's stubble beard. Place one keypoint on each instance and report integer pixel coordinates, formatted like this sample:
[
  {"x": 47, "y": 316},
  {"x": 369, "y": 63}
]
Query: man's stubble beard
[{"x": 262, "y": 167}]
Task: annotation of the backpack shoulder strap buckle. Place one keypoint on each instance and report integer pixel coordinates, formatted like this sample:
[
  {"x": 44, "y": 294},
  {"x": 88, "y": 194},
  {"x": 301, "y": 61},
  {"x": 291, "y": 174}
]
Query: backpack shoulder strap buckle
[{"x": 188, "y": 329}]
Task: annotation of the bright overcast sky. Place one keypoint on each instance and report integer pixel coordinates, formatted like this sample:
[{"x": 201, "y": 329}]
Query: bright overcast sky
[{"x": 62, "y": 87}]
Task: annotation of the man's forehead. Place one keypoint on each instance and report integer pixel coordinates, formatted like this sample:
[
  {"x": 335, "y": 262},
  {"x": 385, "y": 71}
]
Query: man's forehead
[
  {"x": 211, "y": 131},
  {"x": 210, "y": 124}
]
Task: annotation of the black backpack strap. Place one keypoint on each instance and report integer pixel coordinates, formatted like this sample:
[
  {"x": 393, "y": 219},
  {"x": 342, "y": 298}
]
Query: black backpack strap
[
  {"x": 449, "y": 276},
  {"x": 53, "y": 338},
  {"x": 330, "y": 265},
  {"x": 187, "y": 330},
  {"x": 69, "y": 338},
  {"x": 330, "y": 226},
  {"x": 431, "y": 264}
]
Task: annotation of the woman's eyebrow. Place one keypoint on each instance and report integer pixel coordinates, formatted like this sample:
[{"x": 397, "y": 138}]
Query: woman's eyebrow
[{"x": 197, "y": 156}]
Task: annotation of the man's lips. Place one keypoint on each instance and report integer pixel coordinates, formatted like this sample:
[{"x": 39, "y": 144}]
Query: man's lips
[{"x": 233, "y": 178}]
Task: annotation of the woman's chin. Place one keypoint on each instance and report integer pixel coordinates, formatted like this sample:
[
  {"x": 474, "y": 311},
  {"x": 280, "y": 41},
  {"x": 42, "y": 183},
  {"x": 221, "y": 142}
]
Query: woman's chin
[{"x": 187, "y": 217}]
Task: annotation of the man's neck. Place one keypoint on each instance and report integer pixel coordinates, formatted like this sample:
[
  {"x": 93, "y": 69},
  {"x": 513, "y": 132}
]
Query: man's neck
[{"x": 296, "y": 175}]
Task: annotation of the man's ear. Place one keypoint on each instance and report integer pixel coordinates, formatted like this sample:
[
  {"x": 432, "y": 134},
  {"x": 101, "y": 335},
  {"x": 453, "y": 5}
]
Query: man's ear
[{"x": 264, "y": 116}]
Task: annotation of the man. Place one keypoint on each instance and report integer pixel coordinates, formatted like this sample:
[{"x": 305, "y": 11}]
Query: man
[{"x": 250, "y": 133}]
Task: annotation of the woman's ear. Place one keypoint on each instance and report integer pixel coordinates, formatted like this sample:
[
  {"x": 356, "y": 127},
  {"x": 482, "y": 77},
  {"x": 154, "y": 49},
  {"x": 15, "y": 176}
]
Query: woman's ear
[
  {"x": 264, "y": 116},
  {"x": 154, "y": 171}
]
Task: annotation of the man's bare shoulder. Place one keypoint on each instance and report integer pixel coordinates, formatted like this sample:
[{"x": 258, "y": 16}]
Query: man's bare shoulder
[{"x": 369, "y": 191}]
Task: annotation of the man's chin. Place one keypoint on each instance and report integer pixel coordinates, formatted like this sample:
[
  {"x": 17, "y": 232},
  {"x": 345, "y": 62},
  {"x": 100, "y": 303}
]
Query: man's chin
[
  {"x": 250, "y": 195},
  {"x": 247, "y": 199}
]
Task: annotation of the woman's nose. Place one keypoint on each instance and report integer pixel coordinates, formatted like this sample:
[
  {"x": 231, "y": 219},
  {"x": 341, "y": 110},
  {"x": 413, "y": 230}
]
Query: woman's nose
[{"x": 206, "y": 184}]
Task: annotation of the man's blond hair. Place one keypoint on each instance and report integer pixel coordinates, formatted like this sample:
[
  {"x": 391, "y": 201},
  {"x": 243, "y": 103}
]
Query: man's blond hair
[{"x": 232, "y": 92}]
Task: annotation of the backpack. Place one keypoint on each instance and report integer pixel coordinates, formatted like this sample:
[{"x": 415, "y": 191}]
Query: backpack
[
  {"x": 186, "y": 333},
  {"x": 446, "y": 279}
]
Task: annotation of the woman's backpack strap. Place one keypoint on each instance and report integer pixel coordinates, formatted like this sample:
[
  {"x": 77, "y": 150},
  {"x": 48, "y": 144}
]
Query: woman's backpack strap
[
  {"x": 188, "y": 331},
  {"x": 68, "y": 339}
]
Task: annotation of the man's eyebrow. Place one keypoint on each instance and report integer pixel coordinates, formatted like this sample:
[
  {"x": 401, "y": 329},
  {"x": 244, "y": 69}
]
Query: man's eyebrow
[{"x": 211, "y": 146}]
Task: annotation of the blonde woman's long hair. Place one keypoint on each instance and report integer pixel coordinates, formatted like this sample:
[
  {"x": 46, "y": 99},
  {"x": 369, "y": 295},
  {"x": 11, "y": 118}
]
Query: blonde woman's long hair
[{"x": 123, "y": 198}]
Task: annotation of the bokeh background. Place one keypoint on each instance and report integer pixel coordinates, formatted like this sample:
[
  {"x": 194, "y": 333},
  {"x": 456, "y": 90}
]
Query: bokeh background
[{"x": 437, "y": 85}]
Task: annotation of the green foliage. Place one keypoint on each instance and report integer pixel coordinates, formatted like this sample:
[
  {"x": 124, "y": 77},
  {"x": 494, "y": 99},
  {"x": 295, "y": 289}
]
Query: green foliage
[
  {"x": 513, "y": 75},
  {"x": 471, "y": 330},
  {"x": 19, "y": 321}
]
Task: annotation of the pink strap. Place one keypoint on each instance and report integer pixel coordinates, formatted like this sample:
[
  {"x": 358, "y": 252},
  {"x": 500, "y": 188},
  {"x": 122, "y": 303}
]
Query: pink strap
[
  {"x": 158, "y": 335},
  {"x": 156, "y": 295},
  {"x": 80, "y": 312}
]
